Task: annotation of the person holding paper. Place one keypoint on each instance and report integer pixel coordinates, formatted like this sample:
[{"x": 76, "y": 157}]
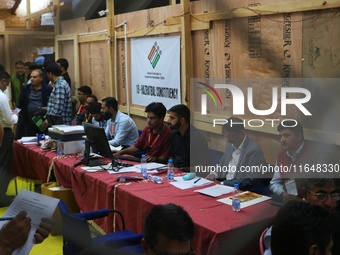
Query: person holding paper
[
  {"x": 15, "y": 232},
  {"x": 8, "y": 119}
]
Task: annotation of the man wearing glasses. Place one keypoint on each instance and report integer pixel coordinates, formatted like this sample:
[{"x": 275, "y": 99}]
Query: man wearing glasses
[
  {"x": 168, "y": 229},
  {"x": 323, "y": 192}
]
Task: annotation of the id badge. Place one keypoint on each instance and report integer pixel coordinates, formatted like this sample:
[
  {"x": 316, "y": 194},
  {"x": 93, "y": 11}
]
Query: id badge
[{"x": 291, "y": 187}]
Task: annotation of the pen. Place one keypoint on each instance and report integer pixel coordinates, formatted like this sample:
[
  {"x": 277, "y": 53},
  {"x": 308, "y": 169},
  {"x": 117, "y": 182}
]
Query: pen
[
  {"x": 197, "y": 180},
  {"x": 6, "y": 218}
]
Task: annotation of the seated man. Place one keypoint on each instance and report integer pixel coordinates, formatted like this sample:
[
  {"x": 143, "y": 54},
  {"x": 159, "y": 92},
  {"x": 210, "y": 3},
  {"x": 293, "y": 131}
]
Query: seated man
[
  {"x": 183, "y": 133},
  {"x": 302, "y": 229},
  {"x": 323, "y": 192},
  {"x": 120, "y": 129},
  {"x": 168, "y": 229},
  {"x": 241, "y": 151},
  {"x": 155, "y": 139},
  {"x": 82, "y": 115},
  {"x": 14, "y": 234},
  {"x": 97, "y": 117},
  {"x": 295, "y": 152}
]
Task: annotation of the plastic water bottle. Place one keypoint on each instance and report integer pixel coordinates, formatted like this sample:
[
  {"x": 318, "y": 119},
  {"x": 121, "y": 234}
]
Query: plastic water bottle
[
  {"x": 83, "y": 150},
  {"x": 143, "y": 167},
  {"x": 59, "y": 147},
  {"x": 156, "y": 179},
  {"x": 171, "y": 173},
  {"x": 236, "y": 203}
]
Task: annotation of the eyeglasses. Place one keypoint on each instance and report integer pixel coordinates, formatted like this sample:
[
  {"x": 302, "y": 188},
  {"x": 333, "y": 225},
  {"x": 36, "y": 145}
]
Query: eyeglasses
[
  {"x": 323, "y": 196},
  {"x": 191, "y": 252}
]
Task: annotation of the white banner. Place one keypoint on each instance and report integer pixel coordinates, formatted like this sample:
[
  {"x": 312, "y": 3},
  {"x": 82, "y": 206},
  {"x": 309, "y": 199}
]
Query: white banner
[{"x": 155, "y": 71}]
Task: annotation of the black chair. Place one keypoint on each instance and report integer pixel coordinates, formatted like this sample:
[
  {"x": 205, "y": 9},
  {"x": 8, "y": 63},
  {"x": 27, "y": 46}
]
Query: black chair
[{"x": 77, "y": 235}]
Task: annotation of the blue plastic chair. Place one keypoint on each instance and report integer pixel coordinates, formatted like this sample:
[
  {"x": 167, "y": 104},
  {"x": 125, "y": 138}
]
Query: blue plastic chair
[{"x": 77, "y": 235}]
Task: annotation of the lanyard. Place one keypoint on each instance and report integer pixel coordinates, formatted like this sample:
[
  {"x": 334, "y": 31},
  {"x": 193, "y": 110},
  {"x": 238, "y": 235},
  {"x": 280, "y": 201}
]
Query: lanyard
[{"x": 154, "y": 141}]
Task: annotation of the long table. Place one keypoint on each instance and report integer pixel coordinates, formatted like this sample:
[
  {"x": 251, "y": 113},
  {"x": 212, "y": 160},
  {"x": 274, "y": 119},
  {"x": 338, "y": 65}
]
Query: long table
[{"x": 218, "y": 230}]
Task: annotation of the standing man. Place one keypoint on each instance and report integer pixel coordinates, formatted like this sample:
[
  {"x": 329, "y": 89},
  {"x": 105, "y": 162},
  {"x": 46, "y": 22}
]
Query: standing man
[
  {"x": 82, "y": 114},
  {"x": 33, "y": 99},
  {"x": 8, "y": 119},
  {"x": 29, "y": 67},
  {"x": 295, "y": 151},
  {"x": 154, "y": 141},
  {"x": 120, "y": 128},
  {"x": 60, "y": 99},
  {"x": 63, "y": 63},
  {"x": 18, "y": 81},
  {"x": 240, "y": 151},
  {"x": 183, "y": 133}
]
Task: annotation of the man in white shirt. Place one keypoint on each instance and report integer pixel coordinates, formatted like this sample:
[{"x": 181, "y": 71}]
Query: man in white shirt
[{"x": 8, "y": 119}]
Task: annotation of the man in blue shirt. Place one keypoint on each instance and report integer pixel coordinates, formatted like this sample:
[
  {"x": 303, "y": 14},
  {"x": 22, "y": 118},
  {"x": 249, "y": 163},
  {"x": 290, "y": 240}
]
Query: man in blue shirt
[{"x": 120, "y": 128}]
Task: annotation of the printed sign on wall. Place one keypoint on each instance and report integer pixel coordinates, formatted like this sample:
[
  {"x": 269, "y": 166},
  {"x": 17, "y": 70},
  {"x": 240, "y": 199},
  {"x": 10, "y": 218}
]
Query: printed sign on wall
[{"x": 155, "y": 71}]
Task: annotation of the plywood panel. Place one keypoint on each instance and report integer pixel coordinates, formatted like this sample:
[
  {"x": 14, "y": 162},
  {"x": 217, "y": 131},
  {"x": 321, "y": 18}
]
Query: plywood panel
[
  {"x": 66, "y": 50},
  {"x": 80, "y": 25},
  {"x": 93, "y": 68}
]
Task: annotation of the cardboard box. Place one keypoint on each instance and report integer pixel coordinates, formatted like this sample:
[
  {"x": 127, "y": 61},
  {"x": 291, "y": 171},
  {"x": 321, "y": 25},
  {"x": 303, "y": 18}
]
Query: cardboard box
[{"x": 66, "y": 195}]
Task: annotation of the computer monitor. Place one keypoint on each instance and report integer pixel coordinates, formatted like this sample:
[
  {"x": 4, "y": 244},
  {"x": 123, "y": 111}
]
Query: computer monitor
[{"x": 96, "y": 138}]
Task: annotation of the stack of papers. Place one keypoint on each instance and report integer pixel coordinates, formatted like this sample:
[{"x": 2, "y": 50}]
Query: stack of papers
[
  {"x": 196, "y": 182},
  {"x": 215, "y": 191},
  {"x": 28, "y": 140},
  {"x": 67, "y": 130}
]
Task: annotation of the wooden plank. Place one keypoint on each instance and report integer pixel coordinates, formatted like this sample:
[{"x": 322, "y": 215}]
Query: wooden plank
[
  {"x": 56, "y": 6},
  {"x": 186, "y": 51},
  {"x": 29, "y": 32},
  {"x": 111, "y": 30},
  {"x": 269, "y": 9},
  {"x": 92, "y": 38},
  {"x": 43, "y": 11},
  {"x": 68, "y": 37},
  {"x": 76, "y": 60}
]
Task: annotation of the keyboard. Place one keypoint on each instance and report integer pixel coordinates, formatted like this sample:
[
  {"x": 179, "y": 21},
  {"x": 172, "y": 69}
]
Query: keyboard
[{"x": 129, "y": 158}]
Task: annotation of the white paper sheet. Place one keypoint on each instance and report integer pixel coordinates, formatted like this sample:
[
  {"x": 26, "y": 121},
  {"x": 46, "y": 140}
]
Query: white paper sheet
[
  {"x": 182, "y": 184},
  {"x": 37, "y": 206},
  {"x": 244, "y": 204},
  {"x": 216, "y": 190},
  {"x": 150, "y": 166}
]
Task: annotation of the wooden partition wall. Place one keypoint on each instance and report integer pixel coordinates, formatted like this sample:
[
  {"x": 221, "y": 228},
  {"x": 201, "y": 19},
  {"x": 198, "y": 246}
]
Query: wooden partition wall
[{"x": 219, "y": 39}]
